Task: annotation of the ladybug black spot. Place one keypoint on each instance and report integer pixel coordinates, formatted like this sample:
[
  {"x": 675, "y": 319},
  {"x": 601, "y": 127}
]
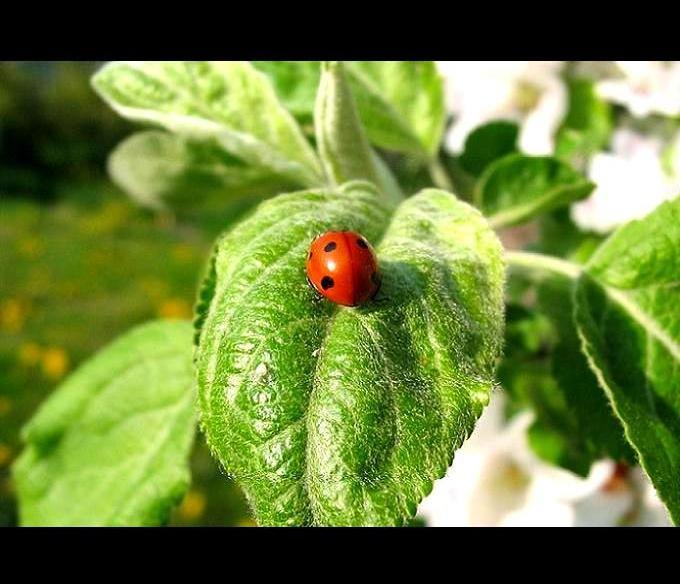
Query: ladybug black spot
[
  {"x": 327, "y": 282},
  {"x": 330, "y": 246},
  {"x": 362, "y": 243}
]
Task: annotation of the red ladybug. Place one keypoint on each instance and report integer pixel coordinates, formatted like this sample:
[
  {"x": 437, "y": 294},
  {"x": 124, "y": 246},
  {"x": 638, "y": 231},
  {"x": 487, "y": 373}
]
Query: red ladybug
[{"x": 342, "y": 266}]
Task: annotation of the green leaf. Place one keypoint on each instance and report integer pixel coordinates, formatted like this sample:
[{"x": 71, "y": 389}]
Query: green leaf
[
  {"x": 628, "y": 319},
  {"x": 557, "y": 446},
  {"x": 111, "y": 445},
  {"x": 159, "y": 170},
  {"x": 401, "y": 103},
  {"x": 344, "y": 416},
  {"x": 206, "y": 291},
  {"x": 595, "y": 424},
  {"x": 296, "y": 84},
  {"x": 544, "y": 370},
  {"x": 526, "y": 376},
  {"x": 588, "y": 125},
  {"x": 488, "y": 143},
  {"x": 229, "y": 102},
  {"x": 344, "y": 149},
  {"x": 517, "y": 188}
]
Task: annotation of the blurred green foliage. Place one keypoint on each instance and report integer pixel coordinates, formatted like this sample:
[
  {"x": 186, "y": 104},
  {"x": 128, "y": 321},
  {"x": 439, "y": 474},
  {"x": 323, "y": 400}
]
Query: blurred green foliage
[
  {"x": 53, "y": 128},
  {"x": 76, "y": 273},
  {"x": 74, "y": 276}
]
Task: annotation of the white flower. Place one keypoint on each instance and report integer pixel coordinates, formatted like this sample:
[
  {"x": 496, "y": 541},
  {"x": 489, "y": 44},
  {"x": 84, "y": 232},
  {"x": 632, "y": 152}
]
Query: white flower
[
  {"x": 647, "y": 87},
  {"x": 529, "y": 92},
  {"x": 497, "y": 480},
  {"x": 631, "y": 182}
]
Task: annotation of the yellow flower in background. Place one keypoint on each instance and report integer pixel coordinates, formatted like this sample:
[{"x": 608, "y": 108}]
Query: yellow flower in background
[
  {"x": 98, "y": 258},
  {"x": 40, "y": 278},
  {"x": 69, "y": 289},
  {"x": 113, "y": 215},
  {"x": 13, "y": 315},
  {"x": 5, "y": 405},
  {"x": 31, "y": 247},
  {"x": 154, "y": 288},
  {"x": 174, "y": 308},
  {"x": 29, "y": 354},
  {"x": 5, "y": 454},
  {"x": 192, "y": 506},
  {"x": 183, "y": 253},
  {"x": 55, "y": 363}
]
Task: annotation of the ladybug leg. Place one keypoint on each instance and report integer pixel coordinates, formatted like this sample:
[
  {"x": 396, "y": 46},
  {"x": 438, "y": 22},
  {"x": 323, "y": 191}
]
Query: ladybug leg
[
  {"x": 312, "y": 285},
  {"x": 317, "y": 296},
  {"x": 377, "y": 287}
]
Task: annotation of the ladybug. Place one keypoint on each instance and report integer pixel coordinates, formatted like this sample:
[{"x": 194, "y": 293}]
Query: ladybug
[{"x": 342, "y": 266}]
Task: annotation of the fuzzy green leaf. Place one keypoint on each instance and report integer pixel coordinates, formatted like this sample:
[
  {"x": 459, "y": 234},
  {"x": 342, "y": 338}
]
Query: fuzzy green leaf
[
  {"x": 159, "y": 169},
  {"x": 628, "y": 318},
  {"x": 228, "y": 102},
  {"x": 517, "y": 188},
  {"x": 345, "y": 416},
  {"x": 344, "y": 149},
  {"x": 345, "y": 152},
  {"x": 111, "y": 445}
]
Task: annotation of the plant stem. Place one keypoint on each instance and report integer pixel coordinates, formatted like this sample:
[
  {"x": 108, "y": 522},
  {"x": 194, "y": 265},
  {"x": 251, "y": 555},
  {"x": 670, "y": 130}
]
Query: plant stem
[
  {"x": 439, "y": 175},
  {"x": 536, "y": 261}
]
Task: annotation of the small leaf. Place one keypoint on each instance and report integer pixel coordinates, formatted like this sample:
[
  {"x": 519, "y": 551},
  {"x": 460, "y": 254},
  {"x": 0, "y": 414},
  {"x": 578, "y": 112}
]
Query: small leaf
[
  {"x": 345, "y": 152},
  {"x": 559, "y": 446},
  {"x": 629, "y": 322},
  {"x": 587, "y": 126},
  {"x": 517, "y": 188},
  {"x": 344, "y": 149},
  {"x": 229, "y": 102},
  {"x": 488, "y": 143},
  {"x": 401, "y": 103},
  {"x": 159, "y": 169},
  {"x": 296, "y": 84},
  {"x": 337, "y": 416},
  {"x": 111, "y": 445}
]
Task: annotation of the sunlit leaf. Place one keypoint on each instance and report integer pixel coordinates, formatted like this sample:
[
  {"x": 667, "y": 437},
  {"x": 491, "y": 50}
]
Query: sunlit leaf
[
  {"x": 338, "y": 416},
  {"x": 111, "y": 445}
]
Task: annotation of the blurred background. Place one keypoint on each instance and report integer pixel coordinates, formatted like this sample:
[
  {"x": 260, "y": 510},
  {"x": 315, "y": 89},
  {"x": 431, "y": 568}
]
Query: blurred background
[{"x": 80, "y": 264}]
